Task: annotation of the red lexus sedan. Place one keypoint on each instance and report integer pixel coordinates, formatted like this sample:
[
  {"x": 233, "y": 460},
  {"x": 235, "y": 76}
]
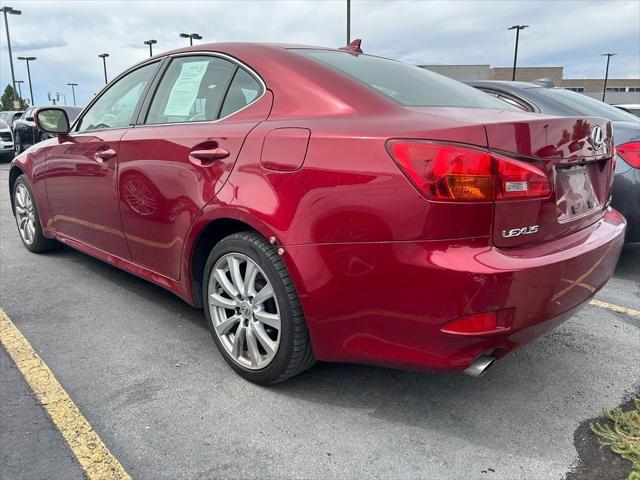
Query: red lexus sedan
[{"x": 325, "y": 204}]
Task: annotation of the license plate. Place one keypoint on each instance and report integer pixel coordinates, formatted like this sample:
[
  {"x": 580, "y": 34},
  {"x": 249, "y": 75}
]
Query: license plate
[{"x": 577, "y": 196}]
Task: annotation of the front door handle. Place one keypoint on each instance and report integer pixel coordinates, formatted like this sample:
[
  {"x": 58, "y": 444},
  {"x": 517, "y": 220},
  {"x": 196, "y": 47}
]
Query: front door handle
[
  {"x": 103, "y": 155},
  {"x": 210, "y": 155}
]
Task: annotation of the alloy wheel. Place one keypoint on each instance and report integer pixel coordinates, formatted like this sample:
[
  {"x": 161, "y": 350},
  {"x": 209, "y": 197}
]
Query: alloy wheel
[
  {"x": 244, "y": 310},
  {"x": 25, "y": 214}
]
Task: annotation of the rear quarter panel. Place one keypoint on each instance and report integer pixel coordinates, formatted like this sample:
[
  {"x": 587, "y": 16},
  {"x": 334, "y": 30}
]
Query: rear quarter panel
[{"x": 349, "y": 189}]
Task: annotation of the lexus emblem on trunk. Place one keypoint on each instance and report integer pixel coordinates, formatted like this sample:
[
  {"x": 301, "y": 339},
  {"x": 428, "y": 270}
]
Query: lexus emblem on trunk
[
  {"x": 516, "y": 232},
  {"x": 597, "y": 137}
]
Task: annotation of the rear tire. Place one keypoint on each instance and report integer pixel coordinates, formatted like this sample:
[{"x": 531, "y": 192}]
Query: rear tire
[
  {"x": 17, "y": 146},
  {"x": 235, "y": 306},
  {"x": 28, "y": 220}
]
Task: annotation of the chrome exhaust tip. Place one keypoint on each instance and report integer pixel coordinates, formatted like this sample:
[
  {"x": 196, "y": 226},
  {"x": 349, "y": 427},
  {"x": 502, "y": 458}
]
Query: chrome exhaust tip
[{"x": 481, "y": 364}]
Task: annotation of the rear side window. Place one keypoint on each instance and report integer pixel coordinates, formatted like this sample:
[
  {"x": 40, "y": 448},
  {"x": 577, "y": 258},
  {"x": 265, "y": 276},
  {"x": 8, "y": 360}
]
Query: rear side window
[
  {"x": 191, "y": 90},
  {"x": 406, "y": 84},
  {"x": 243, "y": 90}
]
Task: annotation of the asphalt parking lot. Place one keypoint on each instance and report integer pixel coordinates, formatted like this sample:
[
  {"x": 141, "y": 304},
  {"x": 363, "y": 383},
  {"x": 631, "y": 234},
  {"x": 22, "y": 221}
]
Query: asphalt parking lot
[{"x": 142, "y": 368}]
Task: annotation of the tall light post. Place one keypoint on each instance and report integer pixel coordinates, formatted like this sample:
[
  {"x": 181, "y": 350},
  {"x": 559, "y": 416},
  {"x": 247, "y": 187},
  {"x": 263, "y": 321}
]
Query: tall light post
[
  {"x": 606, "y": 73},
  {"x": 104, "y": 56},
  {"x": 191, "y": 37},
  {"x": 29, "y": 59},
  {"x": 10, "y": 11},
  {"x": 348, "y": 22},
  {"x": 517, "y": 28},
  {"x": 150, "y": 43},
  {"x": 19, "y": 82},
  {"x": 73, "y": 92}
]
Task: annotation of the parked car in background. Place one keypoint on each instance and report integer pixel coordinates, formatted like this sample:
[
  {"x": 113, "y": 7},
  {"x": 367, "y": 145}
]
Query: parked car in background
[
  {"x": 6, "y": 142},
  {"x": 633, "y": 108},
  {"x": 324, "y": 204},
  {"x": 10, "y": 116},
  {"x": 626, "y": 135},
  {"x": 26, "y": 133}
]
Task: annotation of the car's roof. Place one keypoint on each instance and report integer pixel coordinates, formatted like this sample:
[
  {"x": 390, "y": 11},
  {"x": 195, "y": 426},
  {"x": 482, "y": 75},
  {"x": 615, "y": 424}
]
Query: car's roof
[
  {"x": 221, "y": 46},
  {"x": 627, "y": 105}
]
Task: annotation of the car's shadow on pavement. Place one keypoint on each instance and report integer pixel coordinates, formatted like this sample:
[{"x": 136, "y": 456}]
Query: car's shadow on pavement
[{"x": 151, "y": 292}]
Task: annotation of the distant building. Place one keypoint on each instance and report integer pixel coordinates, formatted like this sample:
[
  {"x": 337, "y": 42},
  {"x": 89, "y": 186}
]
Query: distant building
[
  {"x": 619, "y": 90},
  {"x": 462, "y": 73}
]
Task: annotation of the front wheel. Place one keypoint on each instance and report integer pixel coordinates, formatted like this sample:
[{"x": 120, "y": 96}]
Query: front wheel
[
  {"x": 27, "y": 218},
  {"x": 253, "y": 310}
]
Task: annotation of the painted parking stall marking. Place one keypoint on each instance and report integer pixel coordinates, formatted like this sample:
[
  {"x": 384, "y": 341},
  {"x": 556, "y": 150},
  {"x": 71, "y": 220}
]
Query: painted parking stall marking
[
  {"x": 616, "y": 308},
  {"x": 93, "y": 455}
]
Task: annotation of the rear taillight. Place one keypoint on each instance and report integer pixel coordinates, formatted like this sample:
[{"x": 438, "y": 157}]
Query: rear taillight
[
  {"x": 630, "y": 153},
  {"x": 454, "y": 173}
]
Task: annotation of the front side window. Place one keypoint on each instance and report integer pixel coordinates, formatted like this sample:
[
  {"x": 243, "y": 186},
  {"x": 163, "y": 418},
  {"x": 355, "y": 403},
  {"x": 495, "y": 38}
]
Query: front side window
[
  {"x": 115, "y": 107},
  {"x": 191, "y": 90}
]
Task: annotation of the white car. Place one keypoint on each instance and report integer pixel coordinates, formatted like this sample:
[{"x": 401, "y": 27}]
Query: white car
[
  {"x": 633, "y": 108},
  {"x": 6, "y": 142}
]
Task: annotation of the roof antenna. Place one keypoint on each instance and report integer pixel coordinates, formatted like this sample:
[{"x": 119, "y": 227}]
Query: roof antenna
[{"x": 354, "y": 46}]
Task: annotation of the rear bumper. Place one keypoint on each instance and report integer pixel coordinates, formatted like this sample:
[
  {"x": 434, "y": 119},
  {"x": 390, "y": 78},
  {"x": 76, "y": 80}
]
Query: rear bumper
[{"x": 385, "y": 303}]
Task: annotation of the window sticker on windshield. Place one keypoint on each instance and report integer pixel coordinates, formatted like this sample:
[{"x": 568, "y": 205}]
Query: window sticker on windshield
[{"x": 185, "y": 89}]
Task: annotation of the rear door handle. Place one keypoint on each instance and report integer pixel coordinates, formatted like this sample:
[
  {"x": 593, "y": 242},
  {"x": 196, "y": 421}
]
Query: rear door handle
[
  {"x": 103, "y": 155},
  {"x": 210, "y": 155}
]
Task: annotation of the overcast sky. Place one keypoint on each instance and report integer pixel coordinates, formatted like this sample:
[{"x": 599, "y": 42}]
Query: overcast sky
[{"x": 67, "y": 36}]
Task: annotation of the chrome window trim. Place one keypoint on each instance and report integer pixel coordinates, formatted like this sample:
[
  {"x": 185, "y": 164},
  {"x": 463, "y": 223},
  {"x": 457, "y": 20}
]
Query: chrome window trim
[
  {"x": 210, "y": 54},
  {"x": 160, "y": 59}
]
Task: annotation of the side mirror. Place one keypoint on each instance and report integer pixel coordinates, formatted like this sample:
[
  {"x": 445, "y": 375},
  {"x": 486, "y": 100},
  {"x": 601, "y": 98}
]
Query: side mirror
[{"x": 52, "y": 120}]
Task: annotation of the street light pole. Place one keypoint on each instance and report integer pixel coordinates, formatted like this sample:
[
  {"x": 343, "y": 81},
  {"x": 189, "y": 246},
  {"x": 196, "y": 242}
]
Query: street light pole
[
  {"x": 150, "y": 43},
  {"x": 73, "y": 92},
  {"x": 191, "y": 37},
  {"x": 29, "y": 59},
  {"x": 348, "y": 22},
  {"x": 606, "y": 73},
  {"x": 104, "y": 56},
  {"x": 517, "y": 28},
  {"x": 10, "y": 11},
  {"x": 19, "y": 82}
]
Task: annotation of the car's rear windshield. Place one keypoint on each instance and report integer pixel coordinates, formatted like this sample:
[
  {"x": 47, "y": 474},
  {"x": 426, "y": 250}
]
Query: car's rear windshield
[
  {"x": 406, "y": 84},
  {"x": 583, "y": 105}
]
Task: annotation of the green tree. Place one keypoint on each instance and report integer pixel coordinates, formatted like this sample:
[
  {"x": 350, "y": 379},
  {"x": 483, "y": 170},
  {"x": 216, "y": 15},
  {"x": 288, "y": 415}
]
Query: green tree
[{"x": 6, "y": 100}]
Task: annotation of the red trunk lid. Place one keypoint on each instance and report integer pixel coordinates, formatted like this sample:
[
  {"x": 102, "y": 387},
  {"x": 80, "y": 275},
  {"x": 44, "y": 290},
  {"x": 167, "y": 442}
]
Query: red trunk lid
[{"x": 576, "y": 154}]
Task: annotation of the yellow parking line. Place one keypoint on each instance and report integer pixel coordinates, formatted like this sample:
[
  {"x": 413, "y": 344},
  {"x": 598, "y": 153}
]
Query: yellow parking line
[
  {"x": 93, "y": 455},
  {"x": 616, "y": 308}
]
